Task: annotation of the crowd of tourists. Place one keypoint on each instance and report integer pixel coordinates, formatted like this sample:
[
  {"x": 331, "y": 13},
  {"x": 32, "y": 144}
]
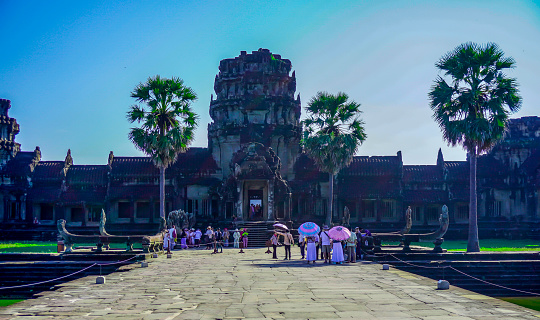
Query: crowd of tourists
[
  {"x": 332, "y": 250},
  {"x": 336, "y": 245},
  {"x": 211, "y": 239}
]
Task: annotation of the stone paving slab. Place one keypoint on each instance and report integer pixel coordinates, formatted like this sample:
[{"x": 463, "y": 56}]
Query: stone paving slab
[{"x": 195, "y": 284}]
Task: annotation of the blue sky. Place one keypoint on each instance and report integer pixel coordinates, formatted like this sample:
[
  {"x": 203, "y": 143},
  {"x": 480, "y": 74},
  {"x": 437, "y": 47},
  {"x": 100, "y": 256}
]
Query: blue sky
[{"x": 69, "y": 66}]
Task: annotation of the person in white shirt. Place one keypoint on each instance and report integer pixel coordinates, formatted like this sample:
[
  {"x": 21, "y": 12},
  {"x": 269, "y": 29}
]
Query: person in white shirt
[
  {"x": 209, "y": 237},
  {"x": 326, "y": 244},
  {"x": 236, "y": 236},
  {"x": 198, "y": 236}
]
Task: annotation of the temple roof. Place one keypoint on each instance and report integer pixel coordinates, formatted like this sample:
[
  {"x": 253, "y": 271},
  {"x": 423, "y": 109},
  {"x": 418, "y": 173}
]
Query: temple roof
[
  {"x": 193, "y": 161},
  {"x": 422, "y": 173},
  {"x": 50, "y": 171},
  {"x": 374, "y": 166},
  {"x": 87, "y": 175},
  {"x": 457, "y": 170}
]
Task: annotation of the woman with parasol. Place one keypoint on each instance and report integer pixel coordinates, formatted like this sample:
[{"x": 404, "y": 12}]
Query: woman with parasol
[
  {"x": 338, "y": 234},
  {"x": 310, "y": 231}
]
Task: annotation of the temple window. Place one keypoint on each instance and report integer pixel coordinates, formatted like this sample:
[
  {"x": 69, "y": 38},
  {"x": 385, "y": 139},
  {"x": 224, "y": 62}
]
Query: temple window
[
  {"x": 143, "y": 209},
  {"x": 46, "y": 211},
  {"x": 123, "y": 209},
  {"x": 94, "y": 214},
  {"x": 388, "y": 208},
  {"x": 368, "y": 209},
  {"x": 432, "y": 213},
  {"x": 77, "y": 214},
  {"x": 462, "y": 212},
  {"x": 205, "y": 207},
  {"x": 417, "y": 214}
]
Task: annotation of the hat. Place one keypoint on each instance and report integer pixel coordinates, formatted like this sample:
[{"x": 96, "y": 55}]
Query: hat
[
  {"x": 192, "y": 229},
  {"x": 209, "y": 227},
  {"x": 325, "y": 227},
  {"x": 236, "y": 229}
]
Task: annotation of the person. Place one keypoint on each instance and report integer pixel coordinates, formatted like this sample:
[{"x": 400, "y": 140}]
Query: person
[
  {"x": 358, "y": 243},
  {"x": 302, "y": 245},
  {"x": 274, "y": 240},
  {"x": 167, "y": 239},
  {"x": 198, "y": 236},
  {"x": 245, "y": 237},
  {"x": 225, "y": 237},
  {"x": 209, "y": 237},
  {"x": 236, "y": 237},
  {"x": 311, "y": 254},
  {"x": 36, "y": 221},
  {"x": 337, "y": 252},
  {"x": 191, "y": 237},
  {"x": 288, "y": 240},
  {"x": 218, "y": 241},
  {"x": 351, "y": 248},
  {"x": 183, "y": 240},
  {"x": 325, "y": 242},
  {"x": 172, "y": 236}
]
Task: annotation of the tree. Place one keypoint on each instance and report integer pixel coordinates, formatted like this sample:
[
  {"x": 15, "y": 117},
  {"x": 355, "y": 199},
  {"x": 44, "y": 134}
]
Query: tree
[
  {"x": 333, "y": 131},
  {"x": 167, "y": 123},
  {"x": 472, "y": 109}
]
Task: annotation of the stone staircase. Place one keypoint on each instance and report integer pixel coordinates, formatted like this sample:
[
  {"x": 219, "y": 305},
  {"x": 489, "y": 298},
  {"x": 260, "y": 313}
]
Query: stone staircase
[
  {"x": 259, "y": 232},
  {"x": 520, "y": 270},
  {"x": 20, "y": 269}
]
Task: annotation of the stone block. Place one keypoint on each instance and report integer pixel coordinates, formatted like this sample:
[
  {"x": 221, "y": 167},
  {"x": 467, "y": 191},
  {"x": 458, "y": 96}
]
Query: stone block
[
  {"x": 386, "y": 267},
  {"x": 144, "y": 264},
  {"x": 154, "y": 255},
  {"x": 443, "y": 285},
  {"x": 100, "y": 280},
  {"x": 169, "y": 255}
]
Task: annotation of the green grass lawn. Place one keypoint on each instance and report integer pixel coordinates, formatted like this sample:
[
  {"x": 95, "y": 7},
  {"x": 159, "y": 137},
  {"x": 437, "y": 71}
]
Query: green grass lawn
[
  {"x": 485, "y": 245},
  {"x": 8, "y": 302},
  {"x": 47, "y": 246},
  {"x": 527, "y": 302}
]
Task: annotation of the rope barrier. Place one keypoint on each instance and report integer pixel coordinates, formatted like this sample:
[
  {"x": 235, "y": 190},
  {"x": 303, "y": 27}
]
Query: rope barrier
[
  {"x": 65, "y": 276},
  {"x": 493, "y": 284},
  {"x": 465, "y": 274}
]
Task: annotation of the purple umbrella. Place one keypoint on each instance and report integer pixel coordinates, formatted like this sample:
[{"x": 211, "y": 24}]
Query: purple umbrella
[
  {"x": 339, "y": 233},
  {"x": 309, "y": 229},
  {"x": 281, "y": 226}
]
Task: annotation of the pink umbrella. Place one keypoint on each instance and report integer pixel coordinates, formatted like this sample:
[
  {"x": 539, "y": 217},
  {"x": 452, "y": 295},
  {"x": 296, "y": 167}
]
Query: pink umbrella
[
  {"x": 339, "y": 233},
  {"x": 281, "y": 226}
]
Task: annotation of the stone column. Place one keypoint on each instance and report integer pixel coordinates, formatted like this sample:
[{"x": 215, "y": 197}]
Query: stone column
[
  {"x": 289, "y": 207},
  {"x": 240, "y": 201},
  {"x": 271, "y": 200},
  {"x": 85, "y": 214}
]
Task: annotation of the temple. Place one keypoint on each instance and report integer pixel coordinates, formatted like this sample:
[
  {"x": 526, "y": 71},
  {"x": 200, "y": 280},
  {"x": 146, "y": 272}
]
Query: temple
[{"x": 255, "y": 170}]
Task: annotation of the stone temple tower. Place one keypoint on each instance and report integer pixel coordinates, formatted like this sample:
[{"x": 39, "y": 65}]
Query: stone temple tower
[
  {"x": 9, "y": 128},
  {"x": 255, "y": 103}
]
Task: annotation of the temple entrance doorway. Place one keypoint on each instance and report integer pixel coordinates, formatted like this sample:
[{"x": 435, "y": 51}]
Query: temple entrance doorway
[
  {"x": 255, "y": 204},
  {"x": 255, "y": 200}
]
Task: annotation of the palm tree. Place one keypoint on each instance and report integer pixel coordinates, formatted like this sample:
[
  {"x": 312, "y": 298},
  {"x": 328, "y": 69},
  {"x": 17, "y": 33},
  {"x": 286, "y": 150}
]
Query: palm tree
[
  {"x": 333, "y": 132},
  {"x": 167, "y": 123},
  {"x": 472, "y": 110}
]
